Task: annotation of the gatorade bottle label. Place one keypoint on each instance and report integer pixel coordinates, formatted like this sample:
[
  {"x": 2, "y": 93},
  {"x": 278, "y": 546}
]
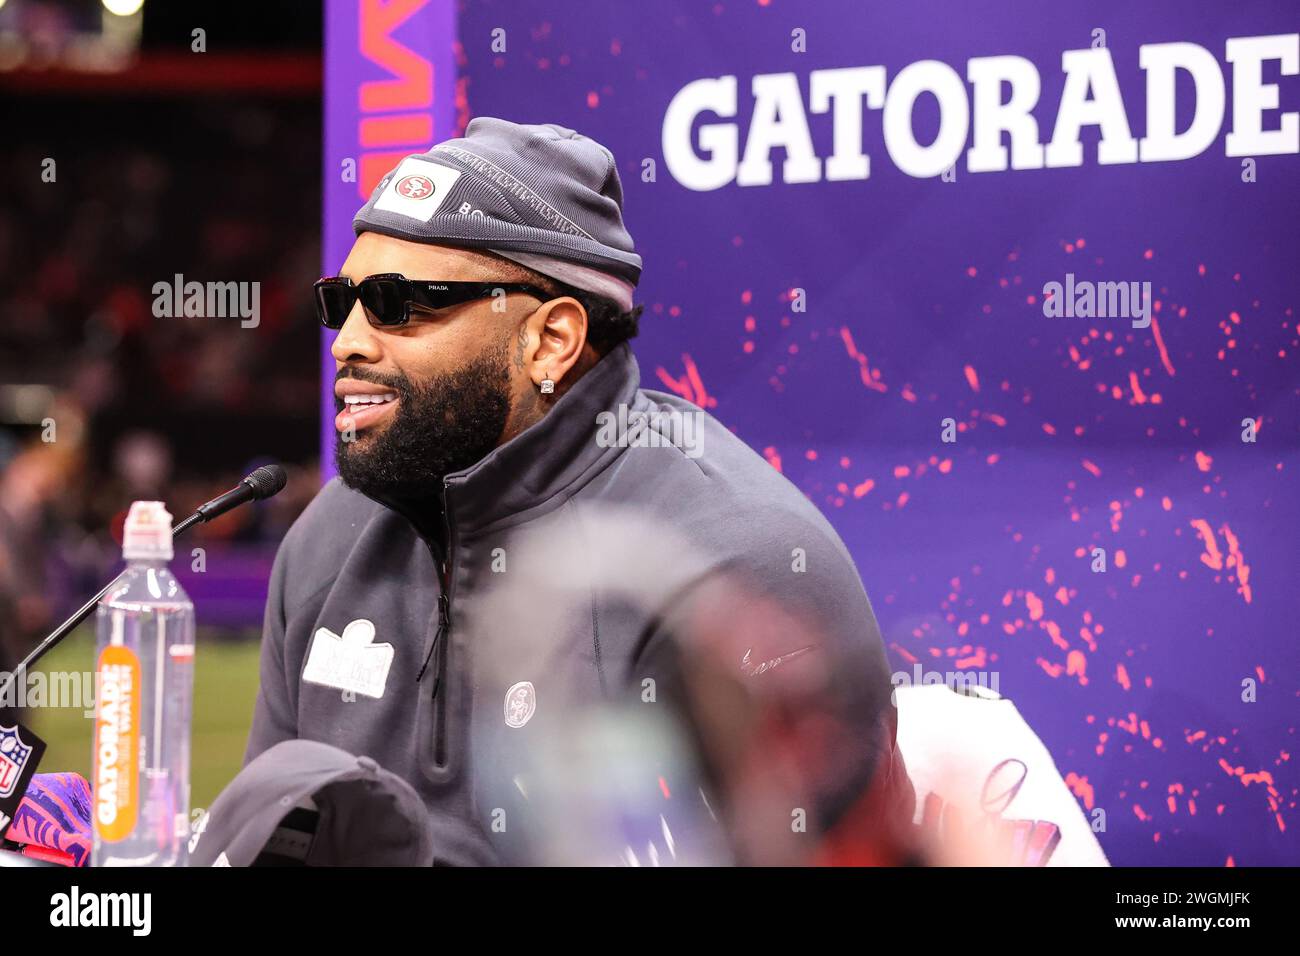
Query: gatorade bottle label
[{"x": 117, "y": 744}]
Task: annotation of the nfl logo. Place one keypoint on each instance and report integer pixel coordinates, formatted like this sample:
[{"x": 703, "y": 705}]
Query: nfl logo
[{"x": 13, "y": 758}]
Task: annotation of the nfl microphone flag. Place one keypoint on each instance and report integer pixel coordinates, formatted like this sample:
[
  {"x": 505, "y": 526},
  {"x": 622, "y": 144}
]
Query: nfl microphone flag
[{"x": 20, "y": 752}]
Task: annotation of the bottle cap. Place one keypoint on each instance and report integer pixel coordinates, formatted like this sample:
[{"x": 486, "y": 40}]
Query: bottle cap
[{"x": 148, "y": 532}]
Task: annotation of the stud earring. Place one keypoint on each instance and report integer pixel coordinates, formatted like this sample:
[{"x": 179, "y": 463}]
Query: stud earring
[{"x": 548, "y": 386}]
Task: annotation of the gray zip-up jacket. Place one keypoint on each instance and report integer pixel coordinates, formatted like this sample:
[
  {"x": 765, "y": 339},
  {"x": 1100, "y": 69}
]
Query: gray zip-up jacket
[{"x": 474, "y": 647}]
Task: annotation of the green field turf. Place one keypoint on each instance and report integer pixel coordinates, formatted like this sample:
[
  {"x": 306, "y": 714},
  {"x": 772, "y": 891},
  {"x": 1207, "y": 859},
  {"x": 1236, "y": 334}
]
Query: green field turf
[{"x": 225, "y": 684}]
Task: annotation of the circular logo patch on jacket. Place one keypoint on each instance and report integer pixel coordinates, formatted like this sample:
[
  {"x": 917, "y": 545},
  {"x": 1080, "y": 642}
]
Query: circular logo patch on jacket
[{"x": 521, "y": 704}]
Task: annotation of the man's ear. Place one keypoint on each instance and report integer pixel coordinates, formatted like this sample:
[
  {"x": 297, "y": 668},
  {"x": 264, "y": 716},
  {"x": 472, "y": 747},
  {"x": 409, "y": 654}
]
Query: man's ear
[{"x": 561, "y": 329}]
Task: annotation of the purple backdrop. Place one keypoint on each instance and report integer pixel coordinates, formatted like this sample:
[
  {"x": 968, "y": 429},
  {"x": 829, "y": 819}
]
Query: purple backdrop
[{"x": 922, "y": 301}]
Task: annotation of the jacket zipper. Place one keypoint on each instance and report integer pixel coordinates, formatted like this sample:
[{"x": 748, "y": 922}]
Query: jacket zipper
[{"x": 441, "y": 638}]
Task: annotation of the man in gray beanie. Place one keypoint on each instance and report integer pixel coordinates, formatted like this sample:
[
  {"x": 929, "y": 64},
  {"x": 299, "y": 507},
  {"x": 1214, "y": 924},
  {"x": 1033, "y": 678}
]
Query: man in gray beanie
[{"x": 524, "y": 547}]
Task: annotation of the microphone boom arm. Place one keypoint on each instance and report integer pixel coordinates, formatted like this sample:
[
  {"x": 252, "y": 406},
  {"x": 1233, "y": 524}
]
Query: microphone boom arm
[{"x": 262, "y": 483}]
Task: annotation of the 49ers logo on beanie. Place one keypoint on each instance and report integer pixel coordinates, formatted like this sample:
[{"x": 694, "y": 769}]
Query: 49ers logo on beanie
[{"x": 417, "y": 188}]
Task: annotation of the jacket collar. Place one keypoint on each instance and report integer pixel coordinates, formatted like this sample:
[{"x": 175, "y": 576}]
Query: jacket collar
[{"x": 543, "y": 463}]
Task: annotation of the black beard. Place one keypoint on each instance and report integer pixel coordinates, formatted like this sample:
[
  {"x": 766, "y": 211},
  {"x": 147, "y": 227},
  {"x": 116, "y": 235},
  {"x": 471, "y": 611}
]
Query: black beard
[{"x": 442, "y": 425}]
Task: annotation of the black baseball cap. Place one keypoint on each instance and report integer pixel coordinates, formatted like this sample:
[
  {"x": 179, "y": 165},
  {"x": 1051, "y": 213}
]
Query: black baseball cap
[{"x": 306, "y": 803}]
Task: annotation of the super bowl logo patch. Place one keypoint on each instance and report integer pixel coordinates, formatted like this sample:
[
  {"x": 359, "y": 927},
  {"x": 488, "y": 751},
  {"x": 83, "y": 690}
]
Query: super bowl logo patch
[{"x": 350, "y": 661}]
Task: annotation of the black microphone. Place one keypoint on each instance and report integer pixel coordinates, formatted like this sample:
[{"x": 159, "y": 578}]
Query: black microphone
[{"x": 262, "y": 483}]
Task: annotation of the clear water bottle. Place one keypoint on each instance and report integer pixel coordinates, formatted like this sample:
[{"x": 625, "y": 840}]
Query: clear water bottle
[{"x": 144, "y": 682}]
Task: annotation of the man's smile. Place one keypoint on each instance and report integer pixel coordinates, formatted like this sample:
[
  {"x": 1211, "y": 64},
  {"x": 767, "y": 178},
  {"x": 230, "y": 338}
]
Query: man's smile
[{"x": 364, "y": 404}]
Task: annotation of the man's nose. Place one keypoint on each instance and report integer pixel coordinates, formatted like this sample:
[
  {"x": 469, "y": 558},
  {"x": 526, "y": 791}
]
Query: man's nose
[{"x": 357, "y": 341}]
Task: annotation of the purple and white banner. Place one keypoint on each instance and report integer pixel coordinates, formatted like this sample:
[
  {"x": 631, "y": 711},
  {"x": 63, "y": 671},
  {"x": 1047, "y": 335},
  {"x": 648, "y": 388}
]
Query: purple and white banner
[{"x": 1008, "y": 290}]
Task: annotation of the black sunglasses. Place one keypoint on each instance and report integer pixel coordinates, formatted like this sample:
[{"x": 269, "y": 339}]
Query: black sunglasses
[{"x": 387, "y": 299}]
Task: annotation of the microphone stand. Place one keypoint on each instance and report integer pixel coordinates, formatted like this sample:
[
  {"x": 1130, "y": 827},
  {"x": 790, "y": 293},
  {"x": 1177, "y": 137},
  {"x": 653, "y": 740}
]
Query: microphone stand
[
  {"x": 83, "y": 612},
  {"x": 263, "y": 483}
]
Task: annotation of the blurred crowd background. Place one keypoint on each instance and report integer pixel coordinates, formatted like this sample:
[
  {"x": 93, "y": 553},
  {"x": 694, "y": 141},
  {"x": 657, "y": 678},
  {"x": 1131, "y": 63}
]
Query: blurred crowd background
[{"x": 165, "y": 161}]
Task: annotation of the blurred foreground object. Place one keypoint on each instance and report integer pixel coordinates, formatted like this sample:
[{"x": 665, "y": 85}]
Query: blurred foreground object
[
  {"x": 747, "y": 730},
  {"x": 988, "y": 792}
]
